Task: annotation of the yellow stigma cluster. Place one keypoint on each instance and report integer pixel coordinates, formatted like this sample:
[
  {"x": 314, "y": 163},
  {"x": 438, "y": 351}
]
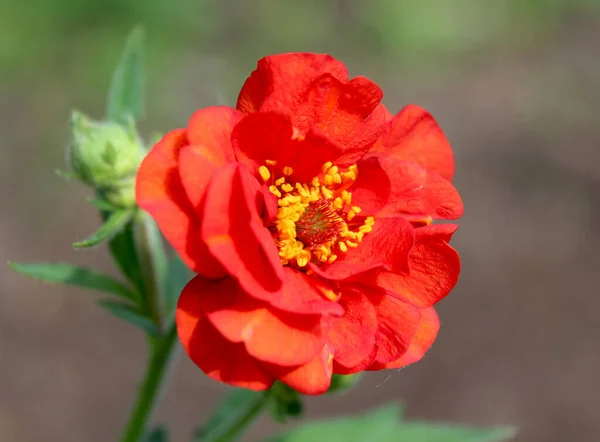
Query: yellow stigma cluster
[{"x": 314, "y": 222}]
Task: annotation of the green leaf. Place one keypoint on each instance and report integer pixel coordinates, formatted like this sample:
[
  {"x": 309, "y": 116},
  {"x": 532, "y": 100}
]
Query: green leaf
[
  {"x": 126, "y": 93},
  {"x": 178, "y": 275},
  {"x": 432, "y": 432},
  {"x": 113, "y": 225},
  {"x": 75, "y": 276},
  {"x": 286, "y": 402},
  {"x": 235, "y": 405},
  {"x": 128, "y": 312},
  {"x": 123, "y": 250},
  {"x": 384, "y": 425},
  {"x": 341, "y": 383},
  {"x": 102, "y": 204},
  {"x": 159, "y": 434}
]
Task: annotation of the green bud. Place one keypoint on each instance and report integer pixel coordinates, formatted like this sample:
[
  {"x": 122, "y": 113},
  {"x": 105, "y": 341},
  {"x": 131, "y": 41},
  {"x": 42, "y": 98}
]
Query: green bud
[
  {"x": 341, "y": 383},
  {"x": 106, "y": 156}
]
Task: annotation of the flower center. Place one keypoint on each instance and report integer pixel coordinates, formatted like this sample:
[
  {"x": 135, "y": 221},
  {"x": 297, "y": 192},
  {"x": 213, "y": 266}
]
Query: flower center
[{"x": 315, "y": 222}]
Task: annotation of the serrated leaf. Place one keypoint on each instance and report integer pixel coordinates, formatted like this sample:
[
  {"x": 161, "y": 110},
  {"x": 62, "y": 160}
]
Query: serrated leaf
[
  {"x": 384, "y": 425},
  {"x": 113, "y": 225},
  {"x": 128, "y": 312},
  {"x": 75, "y": 276},
  {"x": 126, "y": 93},
  {"x": 236, "y": 404},
  {"x": 159, "y": 434}
]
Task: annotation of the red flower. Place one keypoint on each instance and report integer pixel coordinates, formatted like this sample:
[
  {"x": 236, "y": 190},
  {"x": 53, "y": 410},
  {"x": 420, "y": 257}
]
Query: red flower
[{"x": 306, "y": 213}]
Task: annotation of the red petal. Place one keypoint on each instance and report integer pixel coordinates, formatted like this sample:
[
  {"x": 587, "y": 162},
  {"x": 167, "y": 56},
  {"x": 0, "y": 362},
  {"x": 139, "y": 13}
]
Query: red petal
[
  {"x": 387, "y": 245},
  {"x": 427, "y": 330},
  {"x": 414, "y": 135},
  {"x": 434, "y": 267},
  {"x": 280, "y": 81},
  {"x": 219, "y": 358},
  {"x": 233, "y": 229},
  {"x": 160, "y": 192},
  {"x": 313, "y": 378},
  {"x": 269, "y": 335},
  {"x": 361, "y": 366},
  {"x": 209, "y": 134},
  {"x": 344, "y": 113},
  {"x": 397, "y": 325},
  {"x": 300, "y": 295},
  {"x": 270, "y": 136},
  {"x": 196, "y": 167},
  {"x": 413, "y": 191},
  {"x": 352, "y": 336},
  {"x": 371, "y": 191},
  {"x": 211, "y": 128}
]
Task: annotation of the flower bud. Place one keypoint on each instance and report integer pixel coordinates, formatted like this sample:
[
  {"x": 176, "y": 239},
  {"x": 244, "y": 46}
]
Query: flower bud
[{"x": 106, "y": 156}]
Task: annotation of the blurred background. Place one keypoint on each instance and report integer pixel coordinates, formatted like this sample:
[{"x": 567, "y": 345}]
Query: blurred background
[{"x": 515, "y": 84}]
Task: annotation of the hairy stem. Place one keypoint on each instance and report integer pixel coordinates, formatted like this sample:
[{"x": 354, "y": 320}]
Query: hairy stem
[{"x": 149, "y": 390}]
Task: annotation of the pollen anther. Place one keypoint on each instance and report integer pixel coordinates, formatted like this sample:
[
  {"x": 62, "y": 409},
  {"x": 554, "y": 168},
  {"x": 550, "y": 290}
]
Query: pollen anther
[
  {"x": 264, "y": 173},
  {"x": 312, "y": 220}
]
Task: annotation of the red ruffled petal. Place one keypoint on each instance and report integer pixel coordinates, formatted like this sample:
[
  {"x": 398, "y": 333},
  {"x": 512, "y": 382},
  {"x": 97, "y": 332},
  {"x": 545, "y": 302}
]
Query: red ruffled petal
[
  {"x": 196, "y": 167},
  {"x": 427, "y": 330},
  {"x": 301, "y": 295},
  {"x": 387, "y": 246},
  {"x": 414, "y": 135},
  {"x": 345, "y": 112},
  {"x": 219, "y": 358},
  {"x": 412, "y": 191},
  {"x": 270, "y": 136},
  {"x": 397, "y": 324},
  {"x": 211, "y": 128},
  {"x": 280, "y": 81},
  {"x": 160, "y": 192},
  {"x": 209, "y": 135},
  {"x": 352, "y": 336},
  {"x": 433, "y": 272},
  {"x": 361, "y": 366},
  {"x": 313, "y": 378},
  {"x": 233, "y": 229},
  {"x": 269, "y": 335}
]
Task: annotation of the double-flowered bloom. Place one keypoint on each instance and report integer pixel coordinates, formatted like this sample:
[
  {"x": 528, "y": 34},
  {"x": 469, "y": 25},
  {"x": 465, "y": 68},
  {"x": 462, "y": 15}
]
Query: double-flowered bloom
[{"x": 306, "y": 213}]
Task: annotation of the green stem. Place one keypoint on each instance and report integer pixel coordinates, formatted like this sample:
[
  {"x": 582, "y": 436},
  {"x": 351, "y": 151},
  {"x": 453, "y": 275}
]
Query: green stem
[
  {"x": 150, "y": 387},
  {"x": 240, "y": 424},
  {"x": 152, "y": 262},
  {"x": 152, "y": 265}
]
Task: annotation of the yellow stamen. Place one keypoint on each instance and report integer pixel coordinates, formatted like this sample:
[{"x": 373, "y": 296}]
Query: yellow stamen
[
  {"x": 264, "y": 173},
  {"x": 312, "y": 220},
  {"x": 275, "y": 191}
]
